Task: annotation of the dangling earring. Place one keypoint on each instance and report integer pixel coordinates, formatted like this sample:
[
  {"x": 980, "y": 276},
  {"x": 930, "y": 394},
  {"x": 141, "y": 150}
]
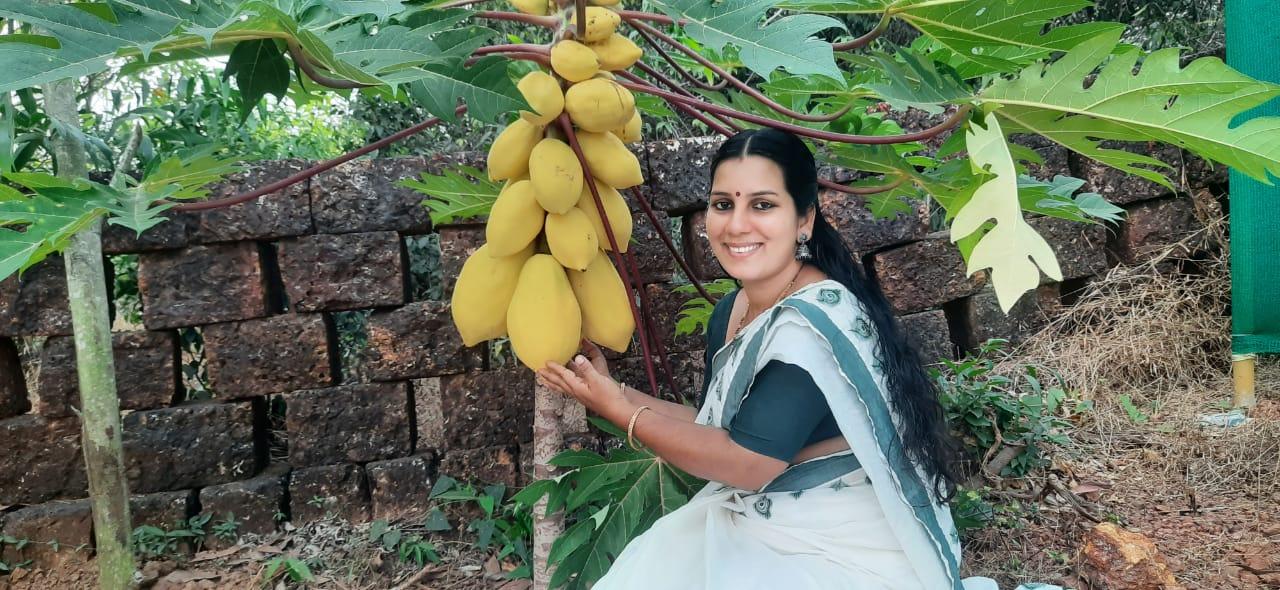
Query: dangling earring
[{"x": 802, "y": 250}]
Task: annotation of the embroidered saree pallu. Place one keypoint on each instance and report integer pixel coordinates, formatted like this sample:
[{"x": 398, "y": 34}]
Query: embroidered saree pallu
[{"x": 862, "y": 519}]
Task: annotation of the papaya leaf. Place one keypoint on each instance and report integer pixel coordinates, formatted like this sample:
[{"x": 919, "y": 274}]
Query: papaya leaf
[
  {"x": 41, "y": 223},
  {"x": 485, "y": 87},
  {"x": 260, "y": 69},
  {"x": 464, "y": 193},
  {"x": 911, "y": 79},
  {"x": 1058, "y": 198},
  {"x": 695, "y": 314},
  {"x": 1012, "y": 249},
  {"x": 788, "y": 42},
  {"x": 1192, "y": 107}
]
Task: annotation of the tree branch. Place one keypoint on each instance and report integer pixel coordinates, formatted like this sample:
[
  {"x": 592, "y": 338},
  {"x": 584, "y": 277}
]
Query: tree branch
[
  {"x": 314, "y": 170},
  {"x": 739, "y": 84}
]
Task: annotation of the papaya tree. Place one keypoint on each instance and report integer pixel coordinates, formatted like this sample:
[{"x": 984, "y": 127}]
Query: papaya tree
[{"x": 577, "y": 85}]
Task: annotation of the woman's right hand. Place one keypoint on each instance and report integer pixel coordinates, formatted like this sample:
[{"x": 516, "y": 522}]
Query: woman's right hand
[{"x": 595, "y": 356}]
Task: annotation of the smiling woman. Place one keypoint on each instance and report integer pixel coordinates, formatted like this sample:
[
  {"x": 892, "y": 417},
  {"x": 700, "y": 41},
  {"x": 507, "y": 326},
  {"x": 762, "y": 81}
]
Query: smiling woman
[{"x": 827, "y": 451}]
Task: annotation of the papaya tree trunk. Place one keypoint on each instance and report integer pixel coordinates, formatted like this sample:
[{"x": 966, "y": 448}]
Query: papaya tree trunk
[
  {"x": 95, "y": 368},
  {"x": 548, "y": 439}
]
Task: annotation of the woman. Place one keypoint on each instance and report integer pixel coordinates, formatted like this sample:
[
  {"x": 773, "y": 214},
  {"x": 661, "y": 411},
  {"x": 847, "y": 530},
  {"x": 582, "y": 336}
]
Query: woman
[{"x": 826, "y": 451}]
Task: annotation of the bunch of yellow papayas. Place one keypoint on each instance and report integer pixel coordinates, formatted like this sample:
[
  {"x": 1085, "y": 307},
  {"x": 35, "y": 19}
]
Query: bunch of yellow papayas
[{"x": 544, "y": 278}]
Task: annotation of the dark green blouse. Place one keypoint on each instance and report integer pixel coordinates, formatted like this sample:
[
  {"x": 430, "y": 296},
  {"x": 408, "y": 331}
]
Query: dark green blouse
[{"x": 784, "y": 410}]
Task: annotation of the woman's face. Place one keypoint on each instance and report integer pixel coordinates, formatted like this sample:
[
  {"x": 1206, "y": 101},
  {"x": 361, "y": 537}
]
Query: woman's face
[{"x": 752, "y": 222}]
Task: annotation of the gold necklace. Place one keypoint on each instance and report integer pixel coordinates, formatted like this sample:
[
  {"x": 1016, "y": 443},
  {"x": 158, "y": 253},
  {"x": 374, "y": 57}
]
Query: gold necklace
[{"x": 742, "y": 320}]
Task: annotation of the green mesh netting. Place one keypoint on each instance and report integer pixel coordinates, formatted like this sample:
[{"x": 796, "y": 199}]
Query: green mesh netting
[{"x": 1253, "y": 47}]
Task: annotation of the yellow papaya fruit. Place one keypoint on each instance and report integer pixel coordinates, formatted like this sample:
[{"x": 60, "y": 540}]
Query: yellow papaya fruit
[
  {"x": 605, "y": 75},
  {"x": 542, "y": 92},
  {"x": 604, "y": 301},
  {"x": 610, "y": 160},
  {"x": 509, "y": 154},
  {"x": 544, "y": 320},
  {"x": 601, "y": 22},
  {"x": 514, "y": 221},
  {"x": 538, "y": 7},
  {"x": 631, "y": 132},
  {"x": 572, "y": 238},
  {"x": 605, "y": 2},
  {"x": 574, "y": 61},
  {"x": 616, "y": 52},
  {"x": 556, "y": 175},
  {"x": 599, "y": 104},
  {"x": 483, "y": 293},
  {"x": 615, "y": 207}
]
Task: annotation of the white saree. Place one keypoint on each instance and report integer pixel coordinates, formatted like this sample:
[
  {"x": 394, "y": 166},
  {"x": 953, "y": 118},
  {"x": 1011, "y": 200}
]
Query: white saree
[{"x": 859, "y": 519}]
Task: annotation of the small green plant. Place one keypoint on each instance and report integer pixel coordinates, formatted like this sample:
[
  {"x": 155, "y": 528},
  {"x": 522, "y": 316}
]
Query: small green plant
[
  {"x": 1138, "y": 415},
  {"x": 227, "y": 529},
  {"x": 152, "y": 541},
  {"x": 18, "y": 544},
  {"x": 296, "y": 569},
  {"x": 990, "y": 411},
  {"x": 407, "y": 547},
  {"x": 316, "y": 502},
  {"x": 695, "y": 314},
  {"x": 508, "y": 526}
]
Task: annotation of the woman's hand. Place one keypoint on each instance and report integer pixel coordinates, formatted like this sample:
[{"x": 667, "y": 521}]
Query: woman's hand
[{"x": 586, "y": 378}]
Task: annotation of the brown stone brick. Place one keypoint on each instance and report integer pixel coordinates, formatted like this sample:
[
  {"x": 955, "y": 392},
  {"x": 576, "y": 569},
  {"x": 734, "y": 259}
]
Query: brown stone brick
[
  {"x": 928, "y": 333},
  {"x": 349, "y": 271},
  {"x": 1120, "y": 187},
  {"x": 924, "y": 274},
  {"x": 400, "y": 488},
  {"x": 164, "y": 510},
  {"x": 457, "y": 243},
  {"x": 270, "y": 355},
  {"x": 146, "y": 377},
  {"x": 1081, "y": 248},
  {"x": 13, "y": 384},
  {"x": 665, "y": 305},
  {"x": 364, "y": 195},
  {"x": 69, "y": 524},
  {"x": 697, "y": 250},
  {"x": 201, "y": 285},
  {"x": 679, "y": 173},
  {"x": 280, "y": 214},
  {"x": 985, "y": 319},
  {"x": 349, "y": 423},
  {"x": 168, "y": 235},
  {"x": 862, "y": 231},
  {"x": 486, "y": 465},
  {"x": 41, "y": 460},
  {"x": 487, "y": 408},
  {"x": 1152, "y": 226},
  {"x": 652, "y": 258},
  {"x": 429, "y": 414},
  {"x": 1056, "y": 158},
  {"x": 417, "y": 340},
  {"x": 687, "y": 367},
  {"x": 253, "y": 503},
  {"x": 188, "y": 446},
  {"x": 35, "y": 303},
  {"x": 338, "y": 490}
]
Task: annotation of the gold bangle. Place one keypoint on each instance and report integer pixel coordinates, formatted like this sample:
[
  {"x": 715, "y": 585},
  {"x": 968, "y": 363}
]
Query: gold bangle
[{"x": 631, "y": 427}]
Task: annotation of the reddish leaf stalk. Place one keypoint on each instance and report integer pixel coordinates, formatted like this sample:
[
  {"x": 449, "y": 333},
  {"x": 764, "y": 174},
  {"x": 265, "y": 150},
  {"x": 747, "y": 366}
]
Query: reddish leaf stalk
[
  {"x": 724, "y": 74},
  {"x": 540, "y": 58},
  {"x": 671, "y": 247},
  {"x": 649, "y": 16},
  {"x": 304, "y": 62},
  {"x": 546, "y": 22},
  {"x": 686, "y": 74},
  {"x": 720, "y": 125},
  {"x": 931, "y": 132},
  {"x": 862, "y": 190},
  {"x": 314, "y": 170},
  {"x": 581, "y": 8},
  {"x": 650, "y": 325},
  {"x": 866, "y": 39},
  {"x": 619, "y": 262},
  {"x": 512, "y": 48}
]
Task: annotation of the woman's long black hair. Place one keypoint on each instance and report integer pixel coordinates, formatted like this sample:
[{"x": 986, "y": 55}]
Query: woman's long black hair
[{"x": 923, "y": 428}]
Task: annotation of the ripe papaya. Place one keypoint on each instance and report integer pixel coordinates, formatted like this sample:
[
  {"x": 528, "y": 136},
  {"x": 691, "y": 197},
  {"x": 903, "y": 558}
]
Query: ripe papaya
[
  {"x": 483, "y": 293},
  {"x": 605, "y": 2},
  {"x": 542, "y": 92},
  {"x": 610, "y": 161},
  {"x": 509, "y": 154},
  {"x": 631, "y": 132},
  {"x": 556, "y": 175},
  {"x": 615, "y": 207},
  {"x": 544, "y": 320},
  {"x": 572, "y": 238},
  {"x": 514, "y": 221},
  {"x": 601, "y": 22},
  {"x": 574, "y": 61},
  {"x": 616, "y": 52},
  {"x": 603, "y": 299},
  {"x": 536, "y": 7},
  {"x": 599, "y": 104}
]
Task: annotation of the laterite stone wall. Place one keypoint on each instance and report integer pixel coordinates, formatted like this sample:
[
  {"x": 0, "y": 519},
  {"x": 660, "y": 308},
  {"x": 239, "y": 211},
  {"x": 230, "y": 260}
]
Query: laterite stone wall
[{"x": 285, "y": 433}]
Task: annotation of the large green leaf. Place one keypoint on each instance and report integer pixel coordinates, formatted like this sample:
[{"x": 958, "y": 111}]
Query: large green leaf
[
  {"x": 1192, "y": 107},
  {"x": 786, "y": 43},
  {"x": 259, "y": 69},
  {"x": 485, "y": 87},
  {"x": 1012, "y": 249},
  {"x": 457, "y": 194},
  {"x": 38, "y": 224}
]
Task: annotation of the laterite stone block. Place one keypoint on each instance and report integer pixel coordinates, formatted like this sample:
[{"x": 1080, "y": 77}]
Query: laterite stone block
[
  {"x": 337, "y": 490},
  {"x": 340, "y": 272},
  {"x": 188, "y": 446},
  {"x": 253, "y": 503},
  {"x": 13, "y": 385},
  {"x": 270, "y": 355},
  {"x": 201, "y": 285},
  {"x": 678, "y": 180},
  {"x": 863, "y": 232},
  {"x": 487, "y": 465},
  {"x": 457, "y": 244},
  {"x": 284, "y": 213},
  {"x": 924, "y": 274},
  {"x": 349, "y": 423},
  {"x": 1029, "y": 315},
  {"x": 418, "y": 340},
  {"x": 41, "y": 459},
  {"x": 146, "y": 376},
  {"x": 400, "y": 488},
  {"x": 35, "y": 303},
  {"x": 364, "y": 195},
  {"x": 165, "y": 510},
  {"x": 1081, "y": 248},
  {"x": 1152, "y": 226},
  {"x": 70, "y": 524},
  {"x": 487, "y": 408},
  {"x": 928, "y": 332}
]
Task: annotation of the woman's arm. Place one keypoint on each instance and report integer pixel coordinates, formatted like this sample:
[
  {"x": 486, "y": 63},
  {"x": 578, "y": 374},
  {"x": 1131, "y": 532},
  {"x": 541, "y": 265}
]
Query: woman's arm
[{"x": 639, "y": 398}]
